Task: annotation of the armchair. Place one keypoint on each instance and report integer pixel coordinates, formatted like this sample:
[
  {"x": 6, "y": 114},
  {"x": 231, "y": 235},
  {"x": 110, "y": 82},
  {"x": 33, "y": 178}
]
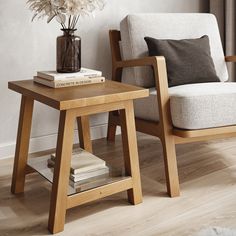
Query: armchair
[{"x": 181, "y": 114}]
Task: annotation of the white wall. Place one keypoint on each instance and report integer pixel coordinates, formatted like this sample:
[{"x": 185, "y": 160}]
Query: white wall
[{"x": 27, "y": 47}]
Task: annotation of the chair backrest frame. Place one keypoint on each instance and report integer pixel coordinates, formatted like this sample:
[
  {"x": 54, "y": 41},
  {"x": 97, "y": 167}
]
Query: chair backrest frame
[
  {"x": 115, "y": 39},
  {"x": 135, "y": 27}
]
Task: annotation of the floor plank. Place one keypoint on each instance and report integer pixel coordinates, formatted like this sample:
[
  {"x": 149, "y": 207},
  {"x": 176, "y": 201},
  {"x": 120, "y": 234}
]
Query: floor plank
[{"x": 208, "y": 189}]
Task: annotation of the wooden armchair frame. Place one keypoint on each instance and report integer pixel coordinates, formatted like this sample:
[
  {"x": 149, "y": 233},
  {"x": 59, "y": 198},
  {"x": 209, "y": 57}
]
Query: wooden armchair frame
[{"x": 163, "y": 129}]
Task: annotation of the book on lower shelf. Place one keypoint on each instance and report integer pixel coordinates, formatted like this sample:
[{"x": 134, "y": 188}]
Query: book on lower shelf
[
  {"x": 98, "y": 180},
  {"x": 91, "y": 182},
  {"x": 84, "y": 165},
  {"x": 89, "y": 174}
]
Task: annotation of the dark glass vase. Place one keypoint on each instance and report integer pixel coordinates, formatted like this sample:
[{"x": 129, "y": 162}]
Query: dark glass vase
[{"x": 68, "y": 52}]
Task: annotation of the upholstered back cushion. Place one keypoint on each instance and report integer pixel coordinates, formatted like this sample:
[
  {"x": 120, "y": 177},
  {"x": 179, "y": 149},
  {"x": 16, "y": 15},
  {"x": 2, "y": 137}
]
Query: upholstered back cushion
[{"x": 167, "y": 26}]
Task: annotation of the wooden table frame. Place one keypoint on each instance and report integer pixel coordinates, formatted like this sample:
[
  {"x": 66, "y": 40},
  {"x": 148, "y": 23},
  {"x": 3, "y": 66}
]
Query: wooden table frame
[{"x": 60, "y": 201}]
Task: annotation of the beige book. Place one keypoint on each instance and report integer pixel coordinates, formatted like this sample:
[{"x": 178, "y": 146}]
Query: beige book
[
  {"x": 89, "y": 174},
  {"x": 69, "y": 83},
  {"x": 83, "y": 73},
  {"x": 91, "y": 182},
  {"x": 82, "y": 162}
]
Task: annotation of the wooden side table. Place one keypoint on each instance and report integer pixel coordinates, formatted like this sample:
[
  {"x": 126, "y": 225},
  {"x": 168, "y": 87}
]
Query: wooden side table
[{"x": 77, "y": 103}]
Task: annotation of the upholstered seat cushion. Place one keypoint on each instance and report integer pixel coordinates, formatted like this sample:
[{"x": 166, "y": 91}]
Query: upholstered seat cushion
[{"x": 195, "y": 106}]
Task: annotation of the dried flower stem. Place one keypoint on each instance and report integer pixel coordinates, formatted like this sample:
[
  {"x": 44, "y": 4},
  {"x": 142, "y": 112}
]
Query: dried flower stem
[
  {"x": 66, "y": 12},
  {"x": 76, "y": 21},
  {"x": 69, "y": 22}
]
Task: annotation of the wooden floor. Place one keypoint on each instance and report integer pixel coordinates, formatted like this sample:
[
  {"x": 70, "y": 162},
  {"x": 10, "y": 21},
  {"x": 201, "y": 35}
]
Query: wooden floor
[{"x": 208, "y": 185}]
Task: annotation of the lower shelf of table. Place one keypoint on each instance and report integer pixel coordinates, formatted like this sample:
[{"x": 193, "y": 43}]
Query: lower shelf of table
[{"x": 40, "y": 165}]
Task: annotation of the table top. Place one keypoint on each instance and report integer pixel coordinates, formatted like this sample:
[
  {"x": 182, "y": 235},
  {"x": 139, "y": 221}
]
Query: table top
[{"x": 78, "y": 96}]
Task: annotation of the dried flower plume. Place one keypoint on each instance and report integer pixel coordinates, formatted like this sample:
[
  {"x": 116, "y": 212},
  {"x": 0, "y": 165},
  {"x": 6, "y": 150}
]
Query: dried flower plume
[{"x": 66, "y": 12}]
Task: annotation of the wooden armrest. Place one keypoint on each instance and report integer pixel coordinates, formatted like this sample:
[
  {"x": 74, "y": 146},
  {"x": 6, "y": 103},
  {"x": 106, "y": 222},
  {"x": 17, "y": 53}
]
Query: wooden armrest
[
  {"x": 230, "y": 58},
  {"x": 160, "y": 75},
  {"x": 145, "y": 61}
]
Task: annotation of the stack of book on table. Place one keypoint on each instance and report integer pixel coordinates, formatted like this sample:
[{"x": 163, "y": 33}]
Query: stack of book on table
[
  {"x": 84, "y": 167},
  {"x": 59, "y": 80}
]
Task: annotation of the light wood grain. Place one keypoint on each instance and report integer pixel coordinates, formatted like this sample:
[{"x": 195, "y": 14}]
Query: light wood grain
[
  {"x": 61, "y": 172},
  {"x": 100, "y": 192},
  {"x": 130, "y": 152},
  {"x": 165, "y": 126},
  {"x": 78, "y": 96},
  {"x": 77, "y": 102},
  {"x": 22, "y": 145},
  {"x": 101, "y": 108},
  {"x": 228, "y": 130},
  {"x": 207, "y": 174}
]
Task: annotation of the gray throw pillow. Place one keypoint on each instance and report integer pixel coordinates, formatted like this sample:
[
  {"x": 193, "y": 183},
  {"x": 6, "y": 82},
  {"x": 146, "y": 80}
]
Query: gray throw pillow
[{"x": 188, "y": 61}]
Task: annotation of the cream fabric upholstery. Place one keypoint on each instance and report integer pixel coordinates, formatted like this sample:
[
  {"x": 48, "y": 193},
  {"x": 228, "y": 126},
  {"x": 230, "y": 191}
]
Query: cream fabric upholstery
[
  {"x": 195, "y": 106},
  {"x": 147, "y": 108},
  {"x": 167, "y": 26}
]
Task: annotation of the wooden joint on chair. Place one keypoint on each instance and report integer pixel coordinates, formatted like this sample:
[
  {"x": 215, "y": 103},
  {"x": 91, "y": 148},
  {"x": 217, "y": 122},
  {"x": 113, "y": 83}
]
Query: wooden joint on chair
[
  {"x": 114, "y": 119},
  {"x": 230, "y": 58},
  {"x": 115, "y": 38}
]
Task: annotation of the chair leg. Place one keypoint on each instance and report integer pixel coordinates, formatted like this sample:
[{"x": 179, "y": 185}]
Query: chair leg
[
  {"x": 111, "y": 130},
  {"x": 84, "y": 133},
  {"x": 171, "y": 169}
]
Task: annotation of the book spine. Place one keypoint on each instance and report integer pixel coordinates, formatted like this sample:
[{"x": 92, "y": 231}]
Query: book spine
[
  {"x": 91, "y": 76},
  {"x": 90, "y": 183},
  {"x": 44, "y": 82},
  {"x": 67, "y": 77},
  {"x": 82, "y": 171},
  {"x": 61, "y": 84},
  {"x": 88, "y": 169},
  {"x": 45, "y": 76},
  {"x": 81, "y": 177}
]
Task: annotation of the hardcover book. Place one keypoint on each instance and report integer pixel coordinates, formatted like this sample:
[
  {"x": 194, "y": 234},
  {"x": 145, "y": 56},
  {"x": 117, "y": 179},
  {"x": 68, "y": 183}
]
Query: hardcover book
[
  {"x": 83, "y": 73},
  {"x": 82, "y": 162},
  {"x": 91, "y": 182},
  {"x": 69, "y": 82},
  {"x": 89, "y": 174}
]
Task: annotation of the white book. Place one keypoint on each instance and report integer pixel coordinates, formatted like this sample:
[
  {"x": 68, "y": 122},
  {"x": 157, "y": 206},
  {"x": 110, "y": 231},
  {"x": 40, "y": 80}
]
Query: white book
[
  {"x": 82, "y": 162},
  {"x": 69, "y": 83},
  {"x": 102, "y": 177},
  {"x": 89, "y": 174},
  {"x": 54, "y": 75},
  {"x": 91, "y": 182}
]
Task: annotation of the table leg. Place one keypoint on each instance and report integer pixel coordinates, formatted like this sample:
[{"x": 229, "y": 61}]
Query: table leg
[
  {"x": 22, "y": 145},
  {"x": 84, "y": 133},
  {"x": 58, "y": 204},
  {"x": 131, "y": 152}
]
